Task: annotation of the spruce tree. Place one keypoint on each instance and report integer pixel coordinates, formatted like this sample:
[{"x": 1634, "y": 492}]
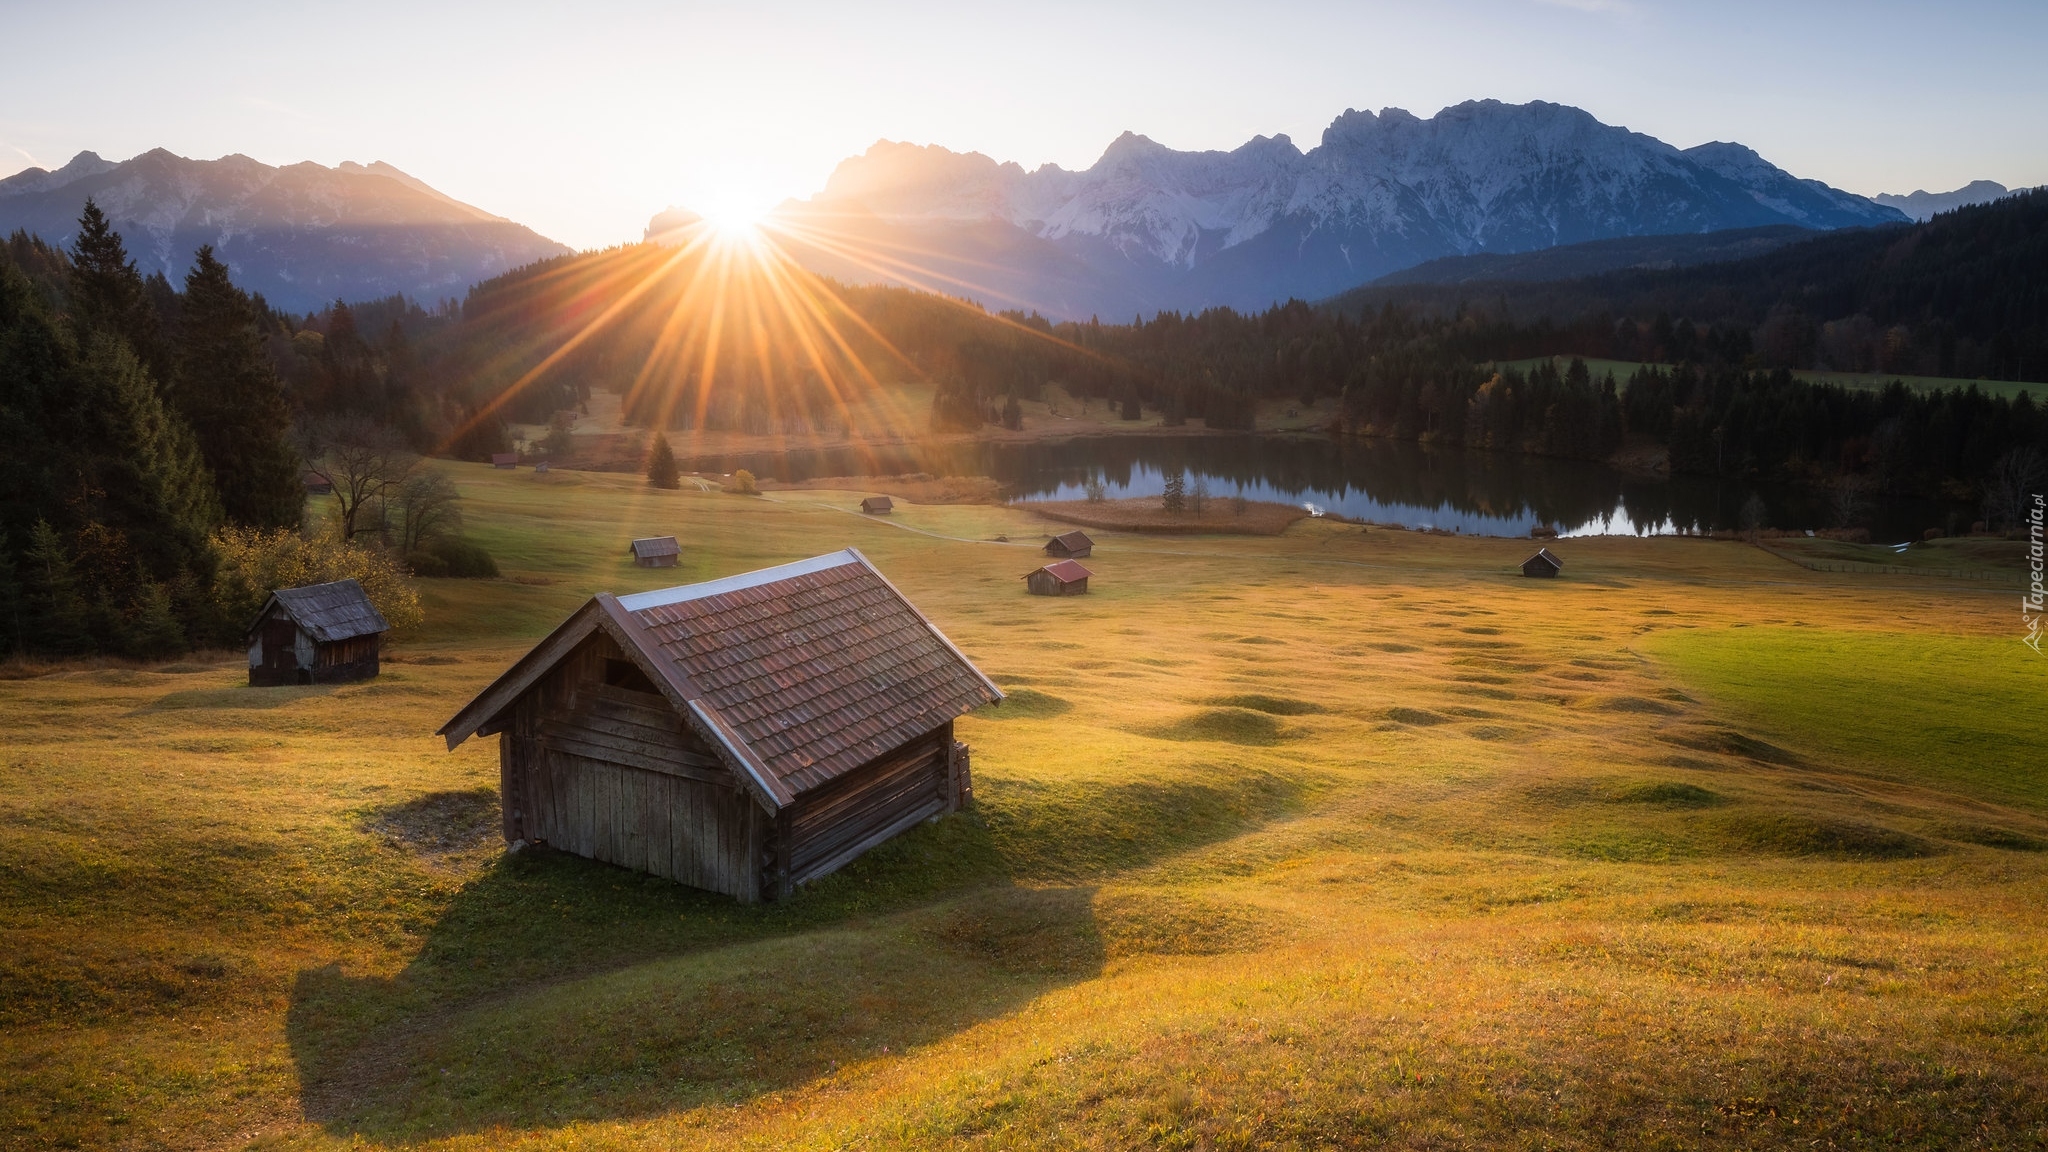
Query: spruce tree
[
  {"x": 661, "y": 463},
  {"x": 230, "y": 394},
  {"x": 54, "y": 620},
  {"x": 107, "y": 294},
  {"x": 1175, "y": 498}
]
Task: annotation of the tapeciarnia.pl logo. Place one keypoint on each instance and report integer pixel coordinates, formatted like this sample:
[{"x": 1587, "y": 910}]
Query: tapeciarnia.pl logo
[{"x": 2036, "y": 599}]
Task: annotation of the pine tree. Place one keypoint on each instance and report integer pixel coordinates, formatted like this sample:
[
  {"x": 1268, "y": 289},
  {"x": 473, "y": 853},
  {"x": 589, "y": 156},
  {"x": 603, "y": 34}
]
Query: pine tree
[
  {"x": 10, "y": 601},
  {"x": 661, "y": 463},
  {"x": 230, "y": 394},
  {"x": 1175, "y": 498},
  {"x": 107, "y": 294},
  {"x": 55, "y": 612}
]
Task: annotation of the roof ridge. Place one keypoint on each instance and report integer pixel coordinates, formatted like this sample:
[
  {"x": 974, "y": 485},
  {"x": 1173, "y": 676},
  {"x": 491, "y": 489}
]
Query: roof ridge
[{"x": 683, "y": 593}]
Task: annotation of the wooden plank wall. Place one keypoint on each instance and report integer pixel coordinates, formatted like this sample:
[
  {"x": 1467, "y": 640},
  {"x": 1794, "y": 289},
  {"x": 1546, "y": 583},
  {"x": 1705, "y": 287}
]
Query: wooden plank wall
[
  {"x": 612, "y": 774},
  {"x": 831, "y": 825}
]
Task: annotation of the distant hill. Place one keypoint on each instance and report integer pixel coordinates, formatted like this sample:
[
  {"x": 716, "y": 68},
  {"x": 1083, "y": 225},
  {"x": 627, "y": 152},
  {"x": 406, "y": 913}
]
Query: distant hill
[
  {"x": 1148, "y": 228},
  {"x": 1569, "y": 261},
  {"x": 1963, "y": 295},
  {"x": 303, "y": 235},
  {"x": 1925, "y": 205}
]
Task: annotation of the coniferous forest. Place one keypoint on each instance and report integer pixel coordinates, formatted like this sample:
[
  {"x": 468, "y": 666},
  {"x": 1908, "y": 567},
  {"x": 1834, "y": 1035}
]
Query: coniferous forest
[{"x": 152, "y": 416}]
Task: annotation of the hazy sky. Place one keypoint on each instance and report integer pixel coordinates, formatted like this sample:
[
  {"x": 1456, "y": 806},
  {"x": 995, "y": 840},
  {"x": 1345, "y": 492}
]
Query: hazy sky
[{"x": 584, "y": 119}]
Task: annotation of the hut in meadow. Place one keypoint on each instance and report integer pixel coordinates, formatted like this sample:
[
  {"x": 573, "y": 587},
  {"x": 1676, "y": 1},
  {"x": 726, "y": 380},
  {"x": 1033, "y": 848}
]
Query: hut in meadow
[
  {"x": 743, "y": 735},
  {"x": 1070, "y": 545},
  {"x": 1063, "y": 578},
  {"x": 504, "y": 459},
  {"x": 877, "y": 505},
  {"x": 316, "y": 483},
  {"x": 1544, "y": 563},
  {"x": 320, "y": 634},
  {"x": 656, "y": 552}
]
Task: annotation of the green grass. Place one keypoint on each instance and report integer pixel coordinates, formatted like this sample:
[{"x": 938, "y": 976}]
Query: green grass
[
  {"x": 1955, "y": 711},
  {"x": 1314, "y": 840}
]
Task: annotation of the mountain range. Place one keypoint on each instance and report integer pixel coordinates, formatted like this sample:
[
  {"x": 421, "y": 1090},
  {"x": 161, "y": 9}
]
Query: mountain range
[
  {"x": 303, "y": 235},
  {"x": 1148, "y": 228},
  {"x": 1924, "y": 205}
]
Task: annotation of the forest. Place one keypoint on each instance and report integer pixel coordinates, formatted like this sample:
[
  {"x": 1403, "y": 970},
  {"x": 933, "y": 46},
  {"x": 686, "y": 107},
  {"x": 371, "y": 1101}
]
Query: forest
[{"x": 153, "y": 418}]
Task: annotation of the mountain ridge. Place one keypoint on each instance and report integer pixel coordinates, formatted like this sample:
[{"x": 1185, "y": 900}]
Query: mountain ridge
[
  {"x": 1147, "y": 227},
  {"x": 301, "y": 234}
]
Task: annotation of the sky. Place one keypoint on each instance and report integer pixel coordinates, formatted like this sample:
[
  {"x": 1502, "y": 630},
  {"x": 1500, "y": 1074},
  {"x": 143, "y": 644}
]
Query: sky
[{"x": 583, "y": 120}]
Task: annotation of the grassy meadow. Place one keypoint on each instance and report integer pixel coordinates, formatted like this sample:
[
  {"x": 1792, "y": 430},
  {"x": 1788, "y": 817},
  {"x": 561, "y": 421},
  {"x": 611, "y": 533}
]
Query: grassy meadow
[{"x": 1324, "y": 839}]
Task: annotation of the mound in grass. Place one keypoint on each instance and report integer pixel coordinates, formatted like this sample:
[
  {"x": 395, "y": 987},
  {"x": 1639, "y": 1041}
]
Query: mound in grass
[
  {"x": 1669, "y": 794},
  {"x": 1273, "y": 705},
  {"x": 1636, "y": 704},
  {"x": 1154, "y": 923},
  {"x": 1990, "y": 836},
  {"x": 1730, "y": 743},
  {"x": 1050, "y": 930},
  {"x": 1792, "y": 834},
  {"x": 1420, "y": 717},
  {"x": 439, "y": 822},
  {"x": 1225, "y": 725},
  {"x": 1026, "y": 704},
  {"x": 1069, "y": 831}
]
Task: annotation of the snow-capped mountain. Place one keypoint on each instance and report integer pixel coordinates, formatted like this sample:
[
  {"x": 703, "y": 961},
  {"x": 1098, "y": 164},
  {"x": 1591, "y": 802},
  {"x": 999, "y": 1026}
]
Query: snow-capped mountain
[
  {"x": 1147, "y": 228},
  {"x": 303, "y": 235}
]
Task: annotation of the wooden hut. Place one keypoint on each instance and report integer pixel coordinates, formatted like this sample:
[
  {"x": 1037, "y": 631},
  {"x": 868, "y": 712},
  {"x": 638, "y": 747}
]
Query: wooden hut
[
  {"x": 504, "y": 459},
  {"x": 656, "y": 552},
  {"x": 320, "y": 634},
  {"x": 877, "y": 505},
  {"x": 317, "y": 483},
  {"x": 1064, "y": 578},
  {"x": 1070, "y": 545},
  {"x": 743, "y": 735},
  {"x": 1543, "y": 563}
]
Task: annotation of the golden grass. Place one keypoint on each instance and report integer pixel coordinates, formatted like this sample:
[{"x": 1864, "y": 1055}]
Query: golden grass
[{"x": 1326, "y": 839}]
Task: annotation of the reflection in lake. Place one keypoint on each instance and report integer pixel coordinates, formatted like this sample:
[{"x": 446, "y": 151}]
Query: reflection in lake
[{"x": 1386, "y": 481}]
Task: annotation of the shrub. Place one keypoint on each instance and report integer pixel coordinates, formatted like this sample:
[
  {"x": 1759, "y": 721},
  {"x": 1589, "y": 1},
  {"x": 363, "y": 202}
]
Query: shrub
[
  {"x": 462, "y": 559},
  {"x": 253, "y": 563}
]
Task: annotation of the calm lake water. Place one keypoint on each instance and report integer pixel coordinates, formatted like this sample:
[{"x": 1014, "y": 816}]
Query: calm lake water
[{"x": 1392, "y": 482}]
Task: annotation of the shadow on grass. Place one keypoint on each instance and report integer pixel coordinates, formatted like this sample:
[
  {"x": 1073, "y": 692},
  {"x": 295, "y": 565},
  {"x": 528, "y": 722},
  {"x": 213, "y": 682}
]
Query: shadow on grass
[{"x": 553, "y": 989}]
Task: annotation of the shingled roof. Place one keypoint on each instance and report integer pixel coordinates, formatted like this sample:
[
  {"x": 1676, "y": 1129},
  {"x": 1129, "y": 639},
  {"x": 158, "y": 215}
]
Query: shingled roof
[
  {"x": 796, "y": 673},
  {"x": 649, "y": 547},
  {"x": 1065, "y": 571},
  {"x": 329, "y": 612}
]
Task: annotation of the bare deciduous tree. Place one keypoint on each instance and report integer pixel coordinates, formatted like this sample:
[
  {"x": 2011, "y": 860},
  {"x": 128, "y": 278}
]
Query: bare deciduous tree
[
  {"x": 428, "y": 507},
  {"x": 365, "y": 461},
  {"x": 2009, "y": 489}
]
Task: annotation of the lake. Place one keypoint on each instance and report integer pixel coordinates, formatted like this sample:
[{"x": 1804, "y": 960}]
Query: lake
[{"x": 1385, "y": 481}]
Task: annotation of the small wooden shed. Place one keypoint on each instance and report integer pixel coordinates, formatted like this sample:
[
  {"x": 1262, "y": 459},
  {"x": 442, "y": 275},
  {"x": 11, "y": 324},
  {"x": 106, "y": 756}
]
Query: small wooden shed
[
  {"x": 1544, "y": 563},
  {"x": 656, "y": 551},
  {"x": 504, "y": 459},
  {"x": 743, "y": 735},
  {"x": 877, "y": 505},
  {"x": 1070, "y": 545},
  {"x": 1064, "y": 578},
  {"x": 317, "y": 483},
  {"x": 319, "y": 634}
]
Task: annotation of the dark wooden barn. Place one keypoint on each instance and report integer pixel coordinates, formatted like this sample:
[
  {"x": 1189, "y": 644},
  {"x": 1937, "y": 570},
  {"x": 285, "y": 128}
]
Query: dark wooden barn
[
  {"x": 743, "y": 735},
  {"x": 877, "y": 505},
  {"x": 656, "y": 552},
  {"x": 1064, "y": 578},
  {"x": 319, "y": 634},
  {"x": 1543, "y": 563},
  {"x": 504, "y": 459},
  {"x": 1070, "y": 545},
  {"x": 317, "y": 483}
]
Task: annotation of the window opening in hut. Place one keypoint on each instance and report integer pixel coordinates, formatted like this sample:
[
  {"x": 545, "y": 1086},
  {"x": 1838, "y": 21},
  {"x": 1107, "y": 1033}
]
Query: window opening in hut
[{"x": 626, "y": 674}]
